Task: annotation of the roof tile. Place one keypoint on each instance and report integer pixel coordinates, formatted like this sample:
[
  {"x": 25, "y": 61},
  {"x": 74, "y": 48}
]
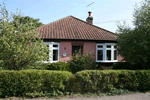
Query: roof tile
[{"x": 73, "y": 28}]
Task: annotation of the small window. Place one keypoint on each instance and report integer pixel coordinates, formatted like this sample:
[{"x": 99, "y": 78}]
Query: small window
[
  {"x": 55, "y": 55},
  {"x": 47, "y": 51},
  {"x": 100, "y": 46},
  {"x": 108, "y": 55},
  {"x": 108, "y": 46},
  {"x": 55, "y": 45},
  {"x": 100, "y": 55},
  {"x": 115, "y": 54},
  {"x": 52, "y": 52},
  {"x": 115, "y": 47},
  {"x": 77, "y": 49}
]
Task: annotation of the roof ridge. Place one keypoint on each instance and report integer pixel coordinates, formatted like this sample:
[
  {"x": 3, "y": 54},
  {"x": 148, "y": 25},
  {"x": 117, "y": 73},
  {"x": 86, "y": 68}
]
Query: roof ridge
[
  {"x": 79, "y": 20},
  {"x": 92, "y": 24},
  {"x": 71, "y": 27}
]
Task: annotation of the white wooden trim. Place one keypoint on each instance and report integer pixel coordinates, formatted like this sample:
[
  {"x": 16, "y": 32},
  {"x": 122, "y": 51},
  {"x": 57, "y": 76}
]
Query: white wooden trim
[
  {"x": 51, "y": 48},
  {"x": 105, "y": 53}
]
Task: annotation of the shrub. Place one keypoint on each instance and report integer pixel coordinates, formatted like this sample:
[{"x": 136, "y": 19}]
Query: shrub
[
  {"x": 58, "y": 66},
  {"x": 80, "y": 62},
  {"x": 93, "y": 80},
  {"x": 122, "y": 65},
  {"x": 29, "y": 82},
  {"x": 37, "y": 83},
  {"x": 127, "y": 65},
  {"x": 128, "y": 79},
  {"x": 38, "y": 67},
  {"x": 106, "y": 80},
  {"x": 143, "y": 80}
]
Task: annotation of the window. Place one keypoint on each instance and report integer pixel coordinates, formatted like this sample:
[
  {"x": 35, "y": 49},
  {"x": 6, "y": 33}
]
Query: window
[
  {"x": 108, "y": 57},
  {"x": 53, "y": 53},
  {"x": 100, "y": 55},
  {"x": 76, "y": 49},
  {"x": 106, "y": 52}
]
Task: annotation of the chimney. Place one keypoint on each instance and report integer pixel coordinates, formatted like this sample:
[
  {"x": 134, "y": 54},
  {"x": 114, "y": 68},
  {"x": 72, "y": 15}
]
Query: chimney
[{"x": 89, "y": 19}]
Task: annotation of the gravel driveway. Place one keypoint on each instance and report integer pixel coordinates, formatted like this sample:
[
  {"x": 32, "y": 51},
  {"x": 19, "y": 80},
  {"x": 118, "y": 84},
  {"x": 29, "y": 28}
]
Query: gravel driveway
[{"x": 138, "y": 96}]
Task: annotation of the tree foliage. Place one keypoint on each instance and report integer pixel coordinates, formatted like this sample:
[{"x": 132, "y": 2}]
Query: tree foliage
[
  {"x": 20, "y": 46},
  {"x": 134, "y": 42},
  {"x": 30, "y": 22}
]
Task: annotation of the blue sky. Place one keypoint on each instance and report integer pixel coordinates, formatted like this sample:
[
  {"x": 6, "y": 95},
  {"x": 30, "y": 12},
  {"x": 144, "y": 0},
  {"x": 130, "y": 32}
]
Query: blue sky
[{"x": 51, "y": 10}]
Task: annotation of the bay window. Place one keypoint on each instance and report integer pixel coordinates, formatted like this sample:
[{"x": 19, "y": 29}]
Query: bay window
[
  {"x": 106, "y": 52},
  {"x": 53, "y": 54}
]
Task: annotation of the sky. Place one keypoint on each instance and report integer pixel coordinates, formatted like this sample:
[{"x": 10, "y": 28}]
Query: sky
[{"x": 106, "y": 13}]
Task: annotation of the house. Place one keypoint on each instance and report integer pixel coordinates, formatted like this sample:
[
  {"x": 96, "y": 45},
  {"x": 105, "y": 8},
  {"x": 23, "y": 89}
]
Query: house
[{"x": 68, "y": 34}]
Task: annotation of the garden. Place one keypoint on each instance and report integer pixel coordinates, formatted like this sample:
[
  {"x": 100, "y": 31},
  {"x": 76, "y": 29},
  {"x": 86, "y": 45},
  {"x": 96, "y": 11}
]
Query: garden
[
  {"x": 75, "y": 78},
  {"x": 23, "y": 73}
]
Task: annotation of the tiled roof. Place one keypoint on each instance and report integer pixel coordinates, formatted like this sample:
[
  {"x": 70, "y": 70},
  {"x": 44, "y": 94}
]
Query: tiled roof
[{"x": 73, "y": 28}]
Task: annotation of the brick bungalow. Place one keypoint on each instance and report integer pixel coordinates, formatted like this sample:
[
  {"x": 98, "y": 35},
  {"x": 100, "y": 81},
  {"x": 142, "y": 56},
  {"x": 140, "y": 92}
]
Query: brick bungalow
[{"x": 68, "y": 34}]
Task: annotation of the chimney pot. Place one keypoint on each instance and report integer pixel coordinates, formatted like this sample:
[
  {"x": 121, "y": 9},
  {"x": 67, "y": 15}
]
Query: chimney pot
[{"x": 89, "y": 13}]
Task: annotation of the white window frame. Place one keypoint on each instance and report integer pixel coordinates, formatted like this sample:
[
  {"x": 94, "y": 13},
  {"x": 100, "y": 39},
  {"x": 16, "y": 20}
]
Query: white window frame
[
  {"x": 51, "y": 48},
  {"x": 105, "y": 52}
]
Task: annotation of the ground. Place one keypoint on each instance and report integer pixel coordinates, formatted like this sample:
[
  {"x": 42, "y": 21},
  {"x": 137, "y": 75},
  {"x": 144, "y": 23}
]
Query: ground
[{"x": 136, "y": 96}]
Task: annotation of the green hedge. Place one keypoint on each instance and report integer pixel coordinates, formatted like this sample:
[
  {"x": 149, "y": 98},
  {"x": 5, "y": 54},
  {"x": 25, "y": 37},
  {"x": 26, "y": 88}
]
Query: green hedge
[
  {"x": 58, "y": 66},
  {"x": 107, "y": 80},
  {"x": 20, "y": 83},
  {"x": 34, "y": 83},
  {"x": 127, "y": 65},
  {"x": 80, "y": 62}
]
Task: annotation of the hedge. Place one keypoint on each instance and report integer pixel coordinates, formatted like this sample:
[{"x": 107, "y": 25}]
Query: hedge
[
  {"x": 20, "y": 83},
  {"x": 105, "y": 81},
  {"x": 40, "y": 82},
  {"x": 58, "y": 66},
  {"x": 128, "y": 65}
]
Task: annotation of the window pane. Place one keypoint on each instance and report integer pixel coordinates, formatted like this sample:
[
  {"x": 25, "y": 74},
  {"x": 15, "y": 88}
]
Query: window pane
[
  {"x": 115, "y": 47},
  {"x": 100, "y": 46},
  {"x": 47, "y": 51},
  {"x": 55, "y": 55},
  {"x": 108, "y": 55},
  {"x": 55, "y": 45},
  {"x": 77, "y": 49},
  {"x": 115, "y": 54},
  {"x": 100, "y": 55},
  {"x": 108, "y": 46}
]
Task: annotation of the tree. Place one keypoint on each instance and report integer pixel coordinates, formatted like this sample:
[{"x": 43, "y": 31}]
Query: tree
[
  {"x": 134, "y": 43},
  {"x": 31, "y": 23},
  {"x": 20, "y": 46}
]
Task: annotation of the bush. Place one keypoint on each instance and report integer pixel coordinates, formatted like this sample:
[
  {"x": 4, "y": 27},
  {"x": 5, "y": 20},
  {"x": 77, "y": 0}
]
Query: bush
[
  {"x": 127, "y": 65},
  {"x": 37, "y": 83},
  {"x": 27, "y": 82},
  {"x": 38, "y": 67},
  {"x": 80, "y": 62},
  {"x": 58, "y": 66},
  {"x": 105, "y": 81},
  {"x": 93, "y": 81},
  {"x": 143, "y": 80}
]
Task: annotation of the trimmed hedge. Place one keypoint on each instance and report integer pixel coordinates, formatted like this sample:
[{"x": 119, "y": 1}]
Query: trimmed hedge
[
  {"x": 128, "y": 65},
  {"x": 20, "y": 83},
  {"x": 34, "y": 83},
  {"x": 58, "y": 66},
  {"x": 107, "y": 80}
]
